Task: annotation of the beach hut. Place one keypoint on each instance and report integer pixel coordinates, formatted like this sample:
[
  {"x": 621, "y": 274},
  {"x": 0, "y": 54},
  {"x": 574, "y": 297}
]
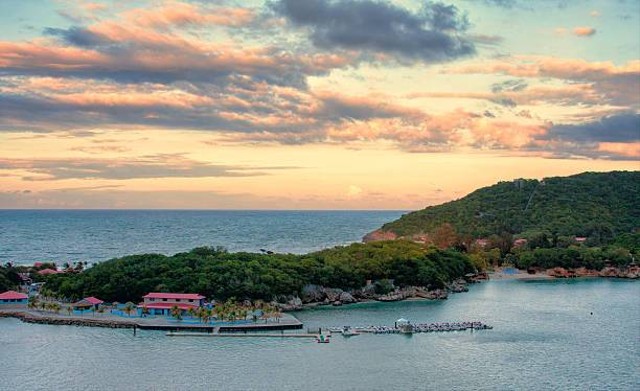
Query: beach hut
[
  {"x": 87, "y": 303},
  {"x": 13, "y": 298}
]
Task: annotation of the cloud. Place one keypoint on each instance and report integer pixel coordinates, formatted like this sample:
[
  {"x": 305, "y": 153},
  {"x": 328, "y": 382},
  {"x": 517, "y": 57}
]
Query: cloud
[
  {"x": 434, "y": 34},
  {"x": 619, "y": 128},
  {"x": 156, "y": 166},
  {"x": 584, "y": 31},
  {"x": 614, "y": 84},
  {"x": 509, "y": 85}
]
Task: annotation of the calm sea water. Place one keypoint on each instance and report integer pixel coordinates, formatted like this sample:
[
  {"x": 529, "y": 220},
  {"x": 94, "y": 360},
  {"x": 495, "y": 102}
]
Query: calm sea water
[
  {"x": 27, "y": 236},
  {"x": 544, "y": 338}
]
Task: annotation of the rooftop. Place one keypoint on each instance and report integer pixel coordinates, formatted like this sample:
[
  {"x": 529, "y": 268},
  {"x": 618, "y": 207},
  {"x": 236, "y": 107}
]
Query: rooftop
[
  {"x": 12, "y": 295},
  {"x": 160, "y": 295}
]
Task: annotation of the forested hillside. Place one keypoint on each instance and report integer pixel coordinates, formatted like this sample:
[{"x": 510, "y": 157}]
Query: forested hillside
[{"x": 599, "y": 206}]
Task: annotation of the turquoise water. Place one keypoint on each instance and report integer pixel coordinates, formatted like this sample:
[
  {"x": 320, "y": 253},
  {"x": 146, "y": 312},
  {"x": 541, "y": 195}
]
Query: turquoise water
[
  {"x": 27, "y": 236},
  {"x": 544, "y": 337}
]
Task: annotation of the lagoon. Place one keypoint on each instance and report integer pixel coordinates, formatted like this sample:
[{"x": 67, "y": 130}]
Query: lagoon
[{"x": 545, "y": 337}]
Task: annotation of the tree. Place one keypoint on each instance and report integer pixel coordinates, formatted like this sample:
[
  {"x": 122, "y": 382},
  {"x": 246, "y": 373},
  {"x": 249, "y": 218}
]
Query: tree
[
  {"x": 33, "y": 302},
  {"x": 176, "y": 312},
  {"x": 445, "y": 236},
  {"x": 128, "y": 308}
]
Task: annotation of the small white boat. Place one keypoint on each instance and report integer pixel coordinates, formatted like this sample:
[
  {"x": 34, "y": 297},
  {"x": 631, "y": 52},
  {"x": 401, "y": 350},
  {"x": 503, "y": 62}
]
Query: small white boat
[{"x": 349, "y": 332}]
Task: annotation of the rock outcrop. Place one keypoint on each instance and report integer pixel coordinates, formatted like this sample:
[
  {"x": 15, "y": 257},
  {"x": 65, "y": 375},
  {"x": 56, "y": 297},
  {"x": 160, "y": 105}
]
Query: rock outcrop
[{"x": 378, "y": 235}]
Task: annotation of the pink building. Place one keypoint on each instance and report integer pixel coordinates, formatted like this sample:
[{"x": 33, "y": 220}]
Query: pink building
[
  {"x": 13, "y": 298},
  {"x": 161, "y": 303}
]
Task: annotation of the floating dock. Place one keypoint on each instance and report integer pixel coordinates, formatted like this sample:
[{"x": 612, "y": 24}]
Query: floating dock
[{"x": 409, "y": 328}]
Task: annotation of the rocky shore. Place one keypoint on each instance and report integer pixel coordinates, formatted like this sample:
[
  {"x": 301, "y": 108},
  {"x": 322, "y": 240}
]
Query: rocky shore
[
  {"x": 316, "y": 295},
  {"x": 632, "y": 272}
]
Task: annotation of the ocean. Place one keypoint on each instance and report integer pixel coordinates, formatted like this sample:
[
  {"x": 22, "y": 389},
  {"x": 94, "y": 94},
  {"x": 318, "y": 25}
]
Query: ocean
[{"x": 28, "y": 236}]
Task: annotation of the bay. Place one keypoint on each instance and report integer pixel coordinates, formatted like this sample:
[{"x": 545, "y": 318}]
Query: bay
[{"x": 569, "y": 335}]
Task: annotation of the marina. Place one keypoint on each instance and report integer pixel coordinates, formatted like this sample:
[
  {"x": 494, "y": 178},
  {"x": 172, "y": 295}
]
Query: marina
[{"x": 403, "y": 326}]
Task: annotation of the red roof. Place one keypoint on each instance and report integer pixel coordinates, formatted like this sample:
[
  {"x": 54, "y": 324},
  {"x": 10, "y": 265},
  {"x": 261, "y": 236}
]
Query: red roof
[
  {"x": 182, "y": 306},
  {"x": 48, "y": 271},
  {"x": 93, "y": 300},
  {"x": 12, "y": 295},
  {"x": 172, "y": 296}
]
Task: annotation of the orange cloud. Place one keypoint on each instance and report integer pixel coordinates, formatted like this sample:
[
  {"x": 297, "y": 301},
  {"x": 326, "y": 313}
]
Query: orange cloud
[
  {"x": 631, "y": 150},
  {"x": 180, "y": 14},
  {"x": 584, "y": 31}
]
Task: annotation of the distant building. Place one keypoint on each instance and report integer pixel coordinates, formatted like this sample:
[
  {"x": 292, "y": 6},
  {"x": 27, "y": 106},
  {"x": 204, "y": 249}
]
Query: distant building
[
  {"x": 13, "y": 298},
  {"x": 158, "y": 303},
  {"x": 580, "y": 239}
]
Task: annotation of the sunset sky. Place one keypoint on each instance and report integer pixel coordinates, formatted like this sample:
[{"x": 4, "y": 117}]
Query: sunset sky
[{"x": 309, "y": 104}]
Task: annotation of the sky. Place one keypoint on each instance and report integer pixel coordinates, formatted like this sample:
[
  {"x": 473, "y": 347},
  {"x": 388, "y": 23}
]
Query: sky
[{"x": 314, "y": 104}]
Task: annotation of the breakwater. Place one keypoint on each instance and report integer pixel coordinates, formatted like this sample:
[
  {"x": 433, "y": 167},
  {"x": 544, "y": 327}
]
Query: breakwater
[
  {"x": 55, "y": 320},
  {"x": 161, "y": 324}
]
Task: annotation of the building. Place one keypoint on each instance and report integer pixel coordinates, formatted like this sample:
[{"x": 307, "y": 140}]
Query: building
[
  {"x": 87, "y": 303},
  {"x": 13, "y": 298},
  {"x": 158, "y": 303}
]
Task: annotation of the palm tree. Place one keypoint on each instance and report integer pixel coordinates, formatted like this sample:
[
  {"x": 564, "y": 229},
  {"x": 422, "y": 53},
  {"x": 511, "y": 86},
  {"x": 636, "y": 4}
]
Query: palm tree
[
  {"x": 277, "y": 314},
  {"x": 43, "y": 305},
  {"x": 220, "y": 311},
  {"x": 208, "y": 313},
  {"x": 176, "y": 312},
  {"x": 128, "y": 308},
  {"x": 33, "y": 302},
  {"x": 55, "y": 307}
]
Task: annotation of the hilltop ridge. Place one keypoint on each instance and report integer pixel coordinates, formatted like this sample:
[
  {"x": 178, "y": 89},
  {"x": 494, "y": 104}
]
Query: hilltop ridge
[{"x": 596, "y": 206}]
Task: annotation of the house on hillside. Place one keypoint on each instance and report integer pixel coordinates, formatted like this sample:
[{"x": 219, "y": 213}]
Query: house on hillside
[
  {"x": 13, "y": 299},
  {"x": 158, "y": 303}
]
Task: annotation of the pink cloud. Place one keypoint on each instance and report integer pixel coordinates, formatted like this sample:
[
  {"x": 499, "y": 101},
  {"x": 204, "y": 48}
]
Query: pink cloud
[
  {"x": 584, "y": 31},
  {"x": 179, "y": 14}
]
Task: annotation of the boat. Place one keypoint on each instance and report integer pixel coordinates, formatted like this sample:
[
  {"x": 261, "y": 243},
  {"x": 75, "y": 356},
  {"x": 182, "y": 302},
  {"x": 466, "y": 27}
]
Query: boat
[
  {"x": 347, "y": 331},
  {"x": 322, "y": 338}
]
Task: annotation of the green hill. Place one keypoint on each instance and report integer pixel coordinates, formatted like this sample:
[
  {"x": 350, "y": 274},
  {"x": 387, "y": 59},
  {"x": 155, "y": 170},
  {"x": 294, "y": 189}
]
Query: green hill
[{"x": 599, "y": 206}]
